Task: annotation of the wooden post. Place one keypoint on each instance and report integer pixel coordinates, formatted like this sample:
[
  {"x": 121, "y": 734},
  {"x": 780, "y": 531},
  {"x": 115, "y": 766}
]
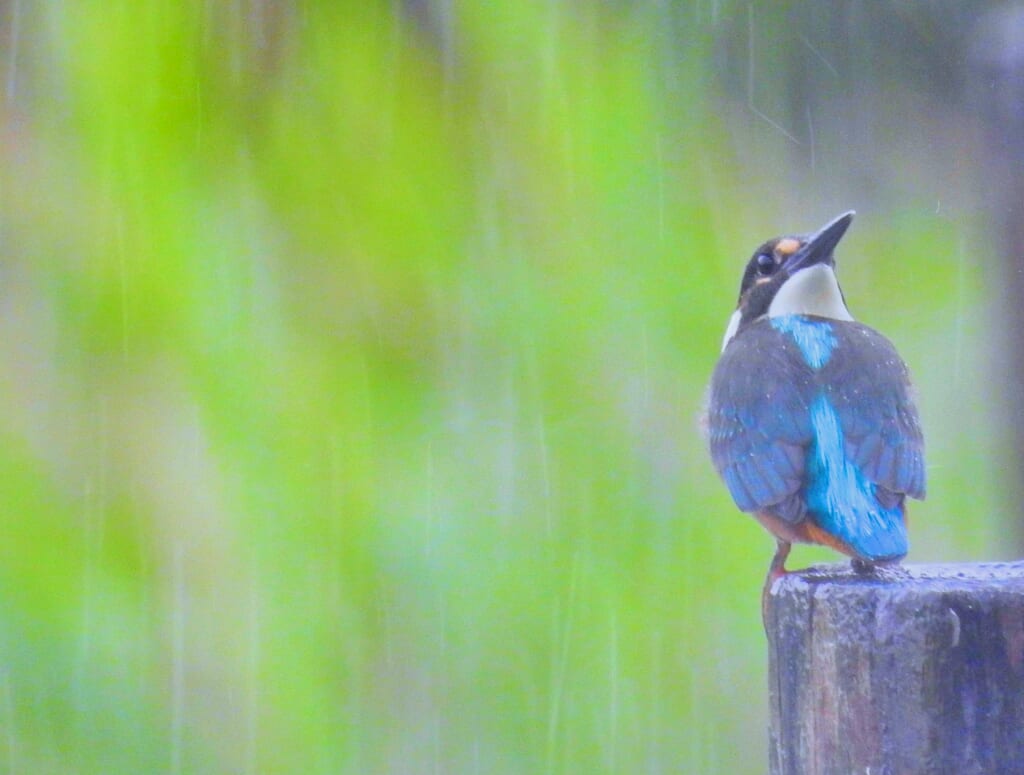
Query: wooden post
[{"x": 908, "y": 670}]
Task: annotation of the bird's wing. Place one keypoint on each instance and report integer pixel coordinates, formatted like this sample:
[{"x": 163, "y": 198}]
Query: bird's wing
[
  {"x": 870, "y": 389},
  {"x": 758, "y": 421}
]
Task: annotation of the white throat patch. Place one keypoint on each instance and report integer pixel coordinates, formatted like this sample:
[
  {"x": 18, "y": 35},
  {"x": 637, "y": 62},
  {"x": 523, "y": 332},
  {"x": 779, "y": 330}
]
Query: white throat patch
[
  {"x": 811, "y": 291},
  {"x": 730, "y": 331}
]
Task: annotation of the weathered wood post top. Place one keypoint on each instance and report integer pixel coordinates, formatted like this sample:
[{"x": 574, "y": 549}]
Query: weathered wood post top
[{"x": 913, "y": 669}]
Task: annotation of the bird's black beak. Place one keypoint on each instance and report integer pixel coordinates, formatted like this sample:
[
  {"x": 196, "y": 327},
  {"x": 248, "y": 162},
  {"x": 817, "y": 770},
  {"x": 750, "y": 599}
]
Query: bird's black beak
[{"x": 819, "y": 246}]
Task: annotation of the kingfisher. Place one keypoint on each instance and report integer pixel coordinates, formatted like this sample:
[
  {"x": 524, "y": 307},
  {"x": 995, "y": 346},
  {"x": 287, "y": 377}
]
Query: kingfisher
[{"x": 810, "y": 419}]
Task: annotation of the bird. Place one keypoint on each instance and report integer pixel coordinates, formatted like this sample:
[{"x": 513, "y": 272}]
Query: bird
[{"x": 810, "y": 416}]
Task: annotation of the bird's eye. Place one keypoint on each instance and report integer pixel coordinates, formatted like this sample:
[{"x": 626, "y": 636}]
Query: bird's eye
[{"x": 765, "y": 264}]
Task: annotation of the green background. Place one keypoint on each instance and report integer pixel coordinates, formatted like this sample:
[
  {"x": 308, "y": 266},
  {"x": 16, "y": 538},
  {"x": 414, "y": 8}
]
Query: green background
[{"x": 351, "y": 364}]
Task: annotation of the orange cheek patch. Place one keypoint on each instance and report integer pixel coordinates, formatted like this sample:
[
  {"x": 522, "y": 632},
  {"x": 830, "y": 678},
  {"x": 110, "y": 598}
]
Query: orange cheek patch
[{"x": 787, "y": 247}]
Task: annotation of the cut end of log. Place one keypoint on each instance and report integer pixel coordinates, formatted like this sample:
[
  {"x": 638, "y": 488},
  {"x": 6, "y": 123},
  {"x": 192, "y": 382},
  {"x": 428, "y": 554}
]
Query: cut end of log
[{"x": 902, "y": 669}]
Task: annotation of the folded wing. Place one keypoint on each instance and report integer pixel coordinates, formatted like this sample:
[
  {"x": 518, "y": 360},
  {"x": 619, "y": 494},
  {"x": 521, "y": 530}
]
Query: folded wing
[
  {"x": 758, "y": 421},
  {"x": 870, "y": 389}
]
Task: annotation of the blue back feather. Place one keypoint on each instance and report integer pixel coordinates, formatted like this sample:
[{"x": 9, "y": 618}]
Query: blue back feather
[
  {"x": 838, "y": 495},
  {"x": 814, "y": 337},
  {"x": 842, "y": 500}
]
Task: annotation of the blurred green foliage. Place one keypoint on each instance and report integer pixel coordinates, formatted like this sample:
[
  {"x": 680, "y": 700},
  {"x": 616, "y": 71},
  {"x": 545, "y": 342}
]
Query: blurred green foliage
[{"x": 351, "y": 365}]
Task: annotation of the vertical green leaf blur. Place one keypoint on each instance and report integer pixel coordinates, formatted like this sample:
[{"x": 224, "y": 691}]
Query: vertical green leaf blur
[{"x": 351, "y": 361}]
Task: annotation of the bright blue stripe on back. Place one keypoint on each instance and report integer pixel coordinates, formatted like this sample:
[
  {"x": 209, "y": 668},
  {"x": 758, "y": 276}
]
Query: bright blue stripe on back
[
  {"x": 814, "y": 337},
  {"x": 841, "y": 500}
]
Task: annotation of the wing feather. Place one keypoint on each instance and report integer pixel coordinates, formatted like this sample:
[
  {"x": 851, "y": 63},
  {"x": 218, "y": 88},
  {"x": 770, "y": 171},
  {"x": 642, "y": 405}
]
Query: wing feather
[
  {"x": 869, "y": 386},
  {"x": 758, "y": 423}
]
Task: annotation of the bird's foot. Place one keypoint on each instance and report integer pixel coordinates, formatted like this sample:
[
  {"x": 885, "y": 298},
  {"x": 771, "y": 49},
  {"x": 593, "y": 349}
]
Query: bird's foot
[
  {"x": 862, "y": 567},
  {"x": 775, "y": 572},
  {"x": 778, "y": 567}
]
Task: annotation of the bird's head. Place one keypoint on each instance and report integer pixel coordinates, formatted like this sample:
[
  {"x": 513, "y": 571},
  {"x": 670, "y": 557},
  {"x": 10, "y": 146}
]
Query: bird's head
[{"x": 792, "y": 275}]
